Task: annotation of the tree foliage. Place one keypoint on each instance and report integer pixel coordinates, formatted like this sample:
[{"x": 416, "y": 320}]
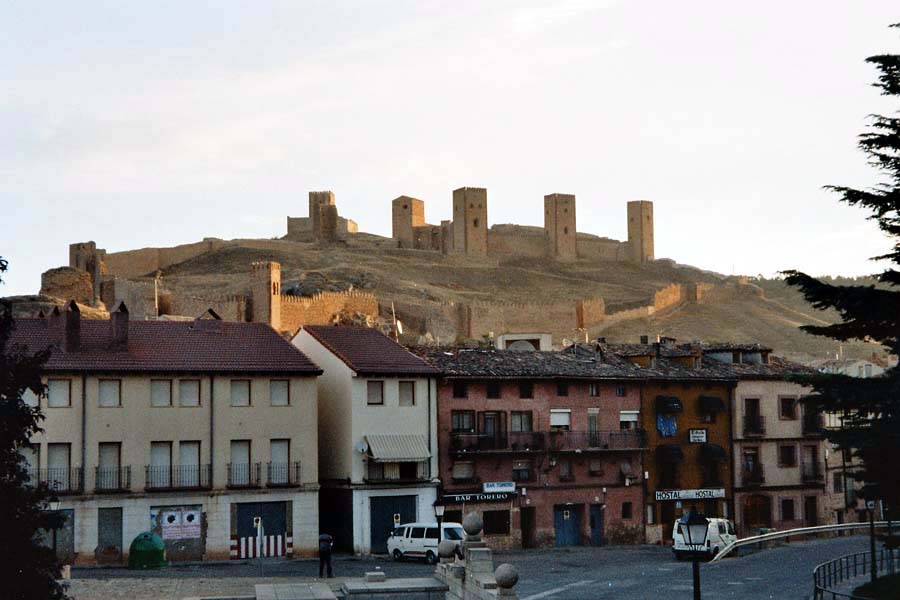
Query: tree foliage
[
  {"x": 870, "y": 407},
  {"x": 28, "y": 569}
]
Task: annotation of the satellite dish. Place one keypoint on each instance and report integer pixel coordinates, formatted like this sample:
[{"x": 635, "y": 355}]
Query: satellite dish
[{"x": 361, "y": 447}]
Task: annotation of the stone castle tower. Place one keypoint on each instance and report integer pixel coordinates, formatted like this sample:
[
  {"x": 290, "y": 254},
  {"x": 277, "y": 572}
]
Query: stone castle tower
[
  {"x": 559, "y": 226},
  {"x": 265, "y": 291},
  {"x": 470, "y": 223},
  {"x": 323, "y": 215},
  {"x": 640, "y": 231},
  {"x": 406, "y": 214}
]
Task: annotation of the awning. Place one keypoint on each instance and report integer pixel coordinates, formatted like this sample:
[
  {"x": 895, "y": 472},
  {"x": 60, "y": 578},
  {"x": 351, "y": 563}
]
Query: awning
[
  {"x": 713, "y": 452},
  {"x": 398, "y": 448},
  {"x": 668, "y": 404},
  {"x": 711, "y": 404},
  {"x": 670, "y": 453}
]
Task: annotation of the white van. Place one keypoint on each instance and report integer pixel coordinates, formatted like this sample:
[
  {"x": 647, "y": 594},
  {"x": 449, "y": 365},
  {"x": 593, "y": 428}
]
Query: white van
[
  {"x": 720, "y": 534},
  {"x": 421, "y": 540}
]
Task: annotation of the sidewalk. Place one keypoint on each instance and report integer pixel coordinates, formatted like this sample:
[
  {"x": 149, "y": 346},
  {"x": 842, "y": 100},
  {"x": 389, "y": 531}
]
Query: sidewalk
[{"x": 156, "y": 588}]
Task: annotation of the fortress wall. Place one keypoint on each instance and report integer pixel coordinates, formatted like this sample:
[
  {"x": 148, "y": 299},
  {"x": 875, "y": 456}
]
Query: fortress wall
[
  {"x": 68, "y": 283},
  {"x": 230, "y": 308},
  {"x": 590, "y": 312},
  {"x": 519, "y": 243},
  {"x": 603, "y": 249},
  {"x": 669, "y": 296},
  {"x": 138, "y": 296},
  {"x": 560, "y": 319},
  {"x": 135, "y": 263},
  {"x": 297, "y": 311}
]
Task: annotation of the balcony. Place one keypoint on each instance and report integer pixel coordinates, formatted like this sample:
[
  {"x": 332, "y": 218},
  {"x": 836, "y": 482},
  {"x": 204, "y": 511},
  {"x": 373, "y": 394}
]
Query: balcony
[
  {"x": 283, "y": 474},
  {"x": 669, "y": 479},
  {"x": 398, "y": 472},
  {"x": 813, "y": 424},
  {"x": 180, "y": 477},
  {"x": 61, "y": 480},
  {"x": 110, "y": 480},
  {"x": 243, "y": 475},
  {"x": 752, "y": 475},
  {"x": 539, "y": 441},
  {"x": 754, "y": 425},
  {"x": 812, "y": 472},
  {"x": 629, "y": 439}
]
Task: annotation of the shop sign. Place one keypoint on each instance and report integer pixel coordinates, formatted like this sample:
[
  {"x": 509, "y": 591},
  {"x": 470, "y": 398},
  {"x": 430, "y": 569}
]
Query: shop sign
[
  {"x": 478, "y": 497},
  {"x": 499, "y": 486},
  {"x": 690, "y": 495},
  {"x": 697, "y": 436}
]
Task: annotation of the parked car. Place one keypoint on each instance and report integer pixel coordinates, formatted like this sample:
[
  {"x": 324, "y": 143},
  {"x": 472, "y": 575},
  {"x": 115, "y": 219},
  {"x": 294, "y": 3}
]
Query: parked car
[
  {"x": 420, "y": 540},
  {"x": 720, "y": 534}
]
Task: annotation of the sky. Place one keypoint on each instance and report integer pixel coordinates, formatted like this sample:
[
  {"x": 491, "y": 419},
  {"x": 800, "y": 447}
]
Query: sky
[{"x": 154, "y": 124}]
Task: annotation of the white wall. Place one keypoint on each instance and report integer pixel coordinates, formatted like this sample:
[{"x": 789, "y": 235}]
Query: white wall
[{"x": 362, "y": 522}]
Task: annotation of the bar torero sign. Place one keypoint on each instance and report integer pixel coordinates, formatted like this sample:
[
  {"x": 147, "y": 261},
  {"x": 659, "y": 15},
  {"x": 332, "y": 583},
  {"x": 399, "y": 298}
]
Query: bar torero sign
[{"x": 690, "y": 495}]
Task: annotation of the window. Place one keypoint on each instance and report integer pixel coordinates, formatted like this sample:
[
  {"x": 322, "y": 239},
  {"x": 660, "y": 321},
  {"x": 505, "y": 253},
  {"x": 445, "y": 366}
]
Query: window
[
  {"x": 562, "y": 388},
  {"x": 188, "y": 464},
  {"x": 460, "y": 389},
  {"x": 595, "y": 466},
  {"x": 526, "y": 389},
  {"x": 787, "y": 408},
  {"x": 463, "y": 471},
  {"x": 496, "y": 522},
  {"x": 109, "y": 456},
  {"x": 407, "y": 393},
  {"x": 160, "y": 392},
  {"x": 189, "y": 392},
  {"x": 520, "y": 421},
  {"x": 626, "y": 510},
  {"x": 58, "y": 465},
  {"x": 838, "y": 483},
  {"x": 787, "y": 456},
  {"x": 279, "y": 392},
  {"x": 463, "y": 421},
  {"x": 620, "y": 391},
  {"x": 239, "y": 469},
  {"x": 565, "y": 470},
  {"x": 159, "y": 473},
  {"x": 628, "y": 419},
  {"x": 417, "y": 533},
  {"x": 521, "y": 470},
  {"x": 59, "y": 393},
  {"x": 594, "y": 390},
  {"x": 560, "y": 419},
  {"x": 787, "y": 509},
  {"x": 279, "y": 461},
  {"x": 30, "y": 398},
  {"x": 652, "y": 362},
  {"x": 651, "y": 514},
  {"x": 374, "y": 393},
  {"x": 431, "y": 533},
  {"x": 110, "y": 392},
  {"x": 493, "y": 390},
  {"x": 240, "y": 392}
]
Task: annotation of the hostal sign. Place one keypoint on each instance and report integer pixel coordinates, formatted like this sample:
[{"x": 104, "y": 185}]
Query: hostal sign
[{"x": 674, "y": 495}]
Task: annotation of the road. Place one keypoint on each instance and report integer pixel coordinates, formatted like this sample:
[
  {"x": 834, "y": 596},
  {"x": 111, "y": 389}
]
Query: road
[{"x": 623, "y": 573}]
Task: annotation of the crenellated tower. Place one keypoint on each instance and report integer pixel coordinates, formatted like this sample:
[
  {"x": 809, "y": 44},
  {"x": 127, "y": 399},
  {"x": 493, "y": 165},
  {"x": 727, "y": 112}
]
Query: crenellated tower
[
  {"x": 640, "y": 231},
  {"x": 559, "y": 226},
  {"x": 265, "y": 293},
  {"x": 470, "y": 223}
]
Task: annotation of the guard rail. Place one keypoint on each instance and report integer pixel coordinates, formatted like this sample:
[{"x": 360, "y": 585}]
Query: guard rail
[{"x": 783, "y": 535}]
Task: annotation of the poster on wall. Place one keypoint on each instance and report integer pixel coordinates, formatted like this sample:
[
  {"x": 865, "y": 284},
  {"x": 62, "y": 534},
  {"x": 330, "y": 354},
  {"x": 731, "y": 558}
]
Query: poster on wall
[
  {"x": 697, "y": 436},
  {"x": 177, "y": 523}
]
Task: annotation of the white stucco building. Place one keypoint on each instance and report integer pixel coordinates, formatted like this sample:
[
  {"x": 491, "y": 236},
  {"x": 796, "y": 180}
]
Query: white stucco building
[{"x": 377, "y": 434}]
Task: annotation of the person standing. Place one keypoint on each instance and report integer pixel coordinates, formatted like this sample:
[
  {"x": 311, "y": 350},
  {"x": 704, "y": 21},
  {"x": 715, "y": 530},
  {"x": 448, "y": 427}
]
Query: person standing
[{"x": 326, "y": 544}]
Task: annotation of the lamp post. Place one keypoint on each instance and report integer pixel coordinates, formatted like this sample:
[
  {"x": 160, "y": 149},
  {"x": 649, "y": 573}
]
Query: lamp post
[
  {"x": 694, "y": 527},
  {"x": 439, "y": 515},
  {"x": 53, "y": 504}
]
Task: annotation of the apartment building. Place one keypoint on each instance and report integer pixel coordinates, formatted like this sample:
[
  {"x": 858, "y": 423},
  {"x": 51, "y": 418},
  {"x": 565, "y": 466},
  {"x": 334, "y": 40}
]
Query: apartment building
[
  {"x": 377, "y": 434},
  {"x": 778, "y": 447},
  {"x": 190, "y": 429},
  {"x": 545, "y": 446}
]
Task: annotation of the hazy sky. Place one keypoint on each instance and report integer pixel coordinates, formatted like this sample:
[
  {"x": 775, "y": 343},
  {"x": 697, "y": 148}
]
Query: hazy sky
[{"x": 138, "y": 124}]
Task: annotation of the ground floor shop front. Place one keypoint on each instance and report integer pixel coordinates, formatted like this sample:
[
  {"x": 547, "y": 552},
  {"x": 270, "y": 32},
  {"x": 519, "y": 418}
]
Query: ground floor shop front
[
  {"x": 780, "y": 509},
  {"x": 666, "y": 506},
  {"x": 209, "y": 526},
  {"x": 545, "y": 517}
]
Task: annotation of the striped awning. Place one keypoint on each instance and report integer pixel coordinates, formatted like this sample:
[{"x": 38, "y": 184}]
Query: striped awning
[{"x": 398, "y": 448}]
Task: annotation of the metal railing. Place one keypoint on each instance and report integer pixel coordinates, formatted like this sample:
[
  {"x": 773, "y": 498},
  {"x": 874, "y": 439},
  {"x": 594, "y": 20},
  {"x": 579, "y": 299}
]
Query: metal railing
[
  {"x": 789, "y": 533},
  {"x": 243, "y": 475},
  {"x": 283, "y": 474},
  {"x": 811, "y": 472},
  {"x": 62, "y": 480},
  {"x": 112, "y": 479},
  {"x": 539, "y": 441},
  {"x": 398, "y": 472},
  {"x": 627, "y": 439},
  {"x": 178, "y": 477},
  {"x": 754, "y": 425},
  {"x": 813, "y": 424},
  {"x": 851, "y": 566},
  {"x": 754, "y": 475}
]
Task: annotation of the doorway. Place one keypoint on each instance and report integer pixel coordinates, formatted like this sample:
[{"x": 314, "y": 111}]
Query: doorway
[
  {"x": 527, "y": 523},
  {"x": 667, "y": 519},
  {"x": 384, "y": 513},
  {"x": 567, "y": 522},
  {"x": 109, "y": 536},
  {"x": 596, "y": 520},
  {"x": 810, "y": 511}
]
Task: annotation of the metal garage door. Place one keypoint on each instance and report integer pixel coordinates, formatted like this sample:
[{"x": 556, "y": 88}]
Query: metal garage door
[
  {"x": 275, "y": 542},
  {"x": 567, "y": 522},
  {"x": 382, "y": 513}
]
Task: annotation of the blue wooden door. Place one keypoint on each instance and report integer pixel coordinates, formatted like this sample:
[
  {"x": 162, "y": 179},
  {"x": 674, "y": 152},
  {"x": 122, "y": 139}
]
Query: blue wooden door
[
  {"x": 567, "y": 522},
  {"x": 596, "y": 525}
]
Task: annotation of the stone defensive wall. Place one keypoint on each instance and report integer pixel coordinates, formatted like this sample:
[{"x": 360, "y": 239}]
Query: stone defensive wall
[
  {"x": 230, "y": 307},
  {"x": 321, "y": 308}
]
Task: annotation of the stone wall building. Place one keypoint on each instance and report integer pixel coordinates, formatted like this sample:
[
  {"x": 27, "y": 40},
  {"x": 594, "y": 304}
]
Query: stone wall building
[{"x": 189, "y": 429}]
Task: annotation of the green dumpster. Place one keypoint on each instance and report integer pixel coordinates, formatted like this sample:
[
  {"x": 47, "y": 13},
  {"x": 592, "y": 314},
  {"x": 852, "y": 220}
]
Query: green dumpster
[{"x": 147, "y": 552}]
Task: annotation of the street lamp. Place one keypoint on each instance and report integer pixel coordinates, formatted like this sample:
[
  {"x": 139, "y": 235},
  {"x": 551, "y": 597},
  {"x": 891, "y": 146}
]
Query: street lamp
[
  {"x": 53, "y": 504},
  {"x": 694, "y": 527},
  {"x": 439, "y": 515}
]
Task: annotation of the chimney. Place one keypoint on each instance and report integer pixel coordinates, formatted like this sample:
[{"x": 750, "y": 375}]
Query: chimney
[
  {"x": 72, "y": 328},
  {"x": 645, "y": 339},
  {"x": 118, "y": 327}
]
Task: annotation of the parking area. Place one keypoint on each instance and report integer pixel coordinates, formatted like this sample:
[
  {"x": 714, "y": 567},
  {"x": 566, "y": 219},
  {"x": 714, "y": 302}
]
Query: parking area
[{"x": 623, "y": 573}]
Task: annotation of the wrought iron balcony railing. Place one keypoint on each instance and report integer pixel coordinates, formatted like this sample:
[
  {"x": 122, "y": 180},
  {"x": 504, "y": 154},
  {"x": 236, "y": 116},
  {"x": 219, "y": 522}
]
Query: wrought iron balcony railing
[
  {"x": 539, "y": 441},
  {"x": 753, "y": 475},
  {"x": 813, "y": 424},
  {"x": 243, "y": 475},
  {"x": 178, "y": 477},
  {"x": 754, "y": 425},
  {"x": 112, "y": 479},
  {"x": 283, "y": 474},
  {"x": 812, "y": 472},
  {"x": 62, "y": 480}
]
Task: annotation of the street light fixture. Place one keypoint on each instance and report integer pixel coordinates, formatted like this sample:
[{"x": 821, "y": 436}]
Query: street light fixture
[
  {"x": 439, "y": 515},
  {"x": 53, "y": 504},
  {"x": 695, "y": 527}
]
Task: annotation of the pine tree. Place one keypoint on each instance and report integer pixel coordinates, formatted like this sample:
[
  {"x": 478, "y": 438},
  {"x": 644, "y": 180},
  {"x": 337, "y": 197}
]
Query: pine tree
[
  {"x": 28, "y": 569},
  {"x": 871, "y": 407}
]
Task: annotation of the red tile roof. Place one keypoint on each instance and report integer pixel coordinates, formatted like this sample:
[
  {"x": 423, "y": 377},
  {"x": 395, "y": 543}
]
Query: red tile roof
[
  {"x": 169, "y": 346},
  {"x": 369, "y": 352}
]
